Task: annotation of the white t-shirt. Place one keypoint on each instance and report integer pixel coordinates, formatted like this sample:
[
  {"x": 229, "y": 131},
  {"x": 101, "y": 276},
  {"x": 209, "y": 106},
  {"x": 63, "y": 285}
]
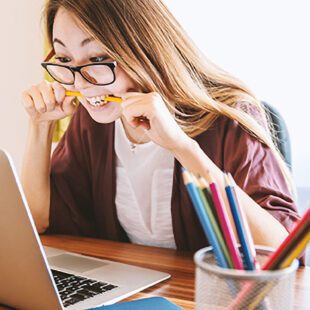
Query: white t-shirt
[{"x": 143, "y": 190}]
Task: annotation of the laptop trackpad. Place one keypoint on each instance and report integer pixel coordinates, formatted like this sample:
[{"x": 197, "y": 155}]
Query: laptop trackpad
[{"x": 74, "y": 263}]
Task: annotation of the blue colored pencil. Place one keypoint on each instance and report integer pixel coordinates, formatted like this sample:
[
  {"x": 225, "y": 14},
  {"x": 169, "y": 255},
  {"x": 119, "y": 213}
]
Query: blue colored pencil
[
  {"x": 246, "y": 229},
  {"x": 243, "y": 232},
  {"x": 224, "y": 222},
  {"x": 248, "y": 260},
  {"x": 203, "y": 218},
  {"x": 202, "y": 185}
]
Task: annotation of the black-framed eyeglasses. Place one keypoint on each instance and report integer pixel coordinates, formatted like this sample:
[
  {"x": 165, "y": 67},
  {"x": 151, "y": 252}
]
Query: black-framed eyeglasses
[{"x": 97, "y": 73}]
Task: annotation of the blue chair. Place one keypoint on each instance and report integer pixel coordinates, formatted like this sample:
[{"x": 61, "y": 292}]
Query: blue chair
[{"x": 282, "y": 139}]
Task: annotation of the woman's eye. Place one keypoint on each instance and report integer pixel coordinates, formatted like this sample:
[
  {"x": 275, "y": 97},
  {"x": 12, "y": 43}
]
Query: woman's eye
[
  {"x": 63, "y": 59},
  {"x": 98, "y": 59}
]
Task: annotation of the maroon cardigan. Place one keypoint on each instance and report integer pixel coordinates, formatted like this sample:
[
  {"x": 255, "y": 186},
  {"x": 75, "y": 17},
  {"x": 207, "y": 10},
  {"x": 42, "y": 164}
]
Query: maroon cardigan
[{"x": 83, "y": 181}]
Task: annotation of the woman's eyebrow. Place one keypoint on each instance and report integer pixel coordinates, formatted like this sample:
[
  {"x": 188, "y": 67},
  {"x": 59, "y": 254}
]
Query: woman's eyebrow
[
  {"x": 86, "y": 41},
  {"x": 59, "y": 42},
  {"x": 83, "y": 43}
]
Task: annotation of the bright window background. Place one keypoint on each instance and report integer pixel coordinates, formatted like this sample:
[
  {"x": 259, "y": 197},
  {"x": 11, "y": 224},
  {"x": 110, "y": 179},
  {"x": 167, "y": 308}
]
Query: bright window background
[
  {"x": 264, "y": 43},
  {"x": 267, "y": 45}
]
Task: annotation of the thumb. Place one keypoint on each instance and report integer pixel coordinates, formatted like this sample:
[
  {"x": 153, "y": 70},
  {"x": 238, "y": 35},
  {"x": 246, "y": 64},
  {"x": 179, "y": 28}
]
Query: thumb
[{"x": 69, "y": 106}]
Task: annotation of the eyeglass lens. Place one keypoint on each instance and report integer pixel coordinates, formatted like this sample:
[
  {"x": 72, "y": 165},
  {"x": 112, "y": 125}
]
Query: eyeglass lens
[{"x": 98, "y": 74}]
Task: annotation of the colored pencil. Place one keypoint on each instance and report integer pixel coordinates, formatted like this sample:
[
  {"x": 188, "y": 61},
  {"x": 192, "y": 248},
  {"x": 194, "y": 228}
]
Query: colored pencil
[
  {"x": 258, "y": 302},
  {"x": 245, "y": 226},
  {"x": 277, "y": 257},
  {"x": 208, "y": 195},
  {"x": 201, "y": 184},
  {"x": 295, "y": 242},
  {"x": 294, "y": 253},
  {"x": 298, "y": 249},
  {"x": 203, "y": 218},
  {"x": 108, "y": 98},
  {"x": 225, "y": 223},
  {"x": 239, "y": 223},
  {"x": 73, "y": 93}
]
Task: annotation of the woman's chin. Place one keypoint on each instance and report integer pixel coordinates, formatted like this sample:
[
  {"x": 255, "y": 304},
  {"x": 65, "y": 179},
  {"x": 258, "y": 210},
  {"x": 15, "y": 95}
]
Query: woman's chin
[
  {"x": 104, "y": 114},
  {"x": 103, "y": 119}
]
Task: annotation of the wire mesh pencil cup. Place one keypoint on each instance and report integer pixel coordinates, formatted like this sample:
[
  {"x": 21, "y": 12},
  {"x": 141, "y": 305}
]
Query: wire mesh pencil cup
[{"x": 220, "y": 288}]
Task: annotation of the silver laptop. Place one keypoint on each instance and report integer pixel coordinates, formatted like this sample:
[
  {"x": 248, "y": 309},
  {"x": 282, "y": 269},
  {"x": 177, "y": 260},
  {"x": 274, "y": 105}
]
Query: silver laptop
[{"x": 34, "y": 277}]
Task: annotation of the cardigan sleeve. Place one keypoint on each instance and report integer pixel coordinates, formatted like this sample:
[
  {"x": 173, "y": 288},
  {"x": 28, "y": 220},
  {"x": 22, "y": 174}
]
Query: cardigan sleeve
[
  {"x": 257, "y": 171},
  {"x": 71, "y": 200}
]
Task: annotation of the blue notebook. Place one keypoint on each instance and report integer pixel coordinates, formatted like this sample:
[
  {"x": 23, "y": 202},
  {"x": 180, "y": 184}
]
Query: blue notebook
[{"x": 151, "y": 303}]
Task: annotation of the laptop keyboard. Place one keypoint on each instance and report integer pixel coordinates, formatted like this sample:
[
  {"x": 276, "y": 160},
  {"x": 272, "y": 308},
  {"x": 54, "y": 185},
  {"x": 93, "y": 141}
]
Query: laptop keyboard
[{"x": 73, "y": 289}]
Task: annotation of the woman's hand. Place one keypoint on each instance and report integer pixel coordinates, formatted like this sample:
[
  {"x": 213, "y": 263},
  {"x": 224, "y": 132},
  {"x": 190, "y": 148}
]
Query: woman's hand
[
  {"x": 150, "y": 111},
  {"x": 47, "y": 102}
]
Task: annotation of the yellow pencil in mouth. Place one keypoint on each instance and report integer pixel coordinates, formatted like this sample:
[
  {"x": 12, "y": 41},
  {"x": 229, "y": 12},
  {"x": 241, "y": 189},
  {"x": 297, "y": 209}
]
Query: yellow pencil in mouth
[
  {"x": 113, "y": 99},
  {"x": 104, "y": 98}
]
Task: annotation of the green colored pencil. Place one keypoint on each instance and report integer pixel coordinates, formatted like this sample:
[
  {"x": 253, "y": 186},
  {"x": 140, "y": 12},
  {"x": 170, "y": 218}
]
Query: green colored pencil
[{"x": 200, "y": 185}]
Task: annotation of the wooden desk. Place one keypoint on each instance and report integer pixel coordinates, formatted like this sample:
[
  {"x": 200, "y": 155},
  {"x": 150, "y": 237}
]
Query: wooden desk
[{"x": 180, "y": 288}]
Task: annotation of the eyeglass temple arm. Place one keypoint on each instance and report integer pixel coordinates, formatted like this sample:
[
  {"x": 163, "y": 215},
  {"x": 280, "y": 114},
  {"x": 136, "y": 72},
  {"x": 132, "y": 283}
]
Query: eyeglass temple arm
[{"x": 49, "y": 55}]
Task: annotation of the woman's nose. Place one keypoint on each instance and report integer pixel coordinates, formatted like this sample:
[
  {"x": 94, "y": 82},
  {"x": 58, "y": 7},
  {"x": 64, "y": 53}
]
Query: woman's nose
[{"x": 80, "y": 82}]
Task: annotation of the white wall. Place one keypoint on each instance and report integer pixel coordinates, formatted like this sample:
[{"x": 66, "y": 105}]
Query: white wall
[
  {"x": 20, "y": 55},
  {"x": 263, "y": 42}
]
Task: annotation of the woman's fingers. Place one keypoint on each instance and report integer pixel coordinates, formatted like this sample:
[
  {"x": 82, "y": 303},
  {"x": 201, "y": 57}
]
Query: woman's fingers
[
  {"x": 48, "y": 96},
  {"x": 47, "y": 101},
  {"x": 37, "y": 98},
  {"x": 138, "y": 108},
  {"x": 69, "y": 106},
  {"x": 134, "y": 112},
  {"x": 141, "y": 121},
  {"x": 59, "y": 92},
  {"x": 29, "y": 104}
]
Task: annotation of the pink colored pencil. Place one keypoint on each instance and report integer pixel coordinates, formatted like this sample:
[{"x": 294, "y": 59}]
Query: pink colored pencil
[
  {"x": 225, "y": 223},
  {"x": 276, "y": 259}
]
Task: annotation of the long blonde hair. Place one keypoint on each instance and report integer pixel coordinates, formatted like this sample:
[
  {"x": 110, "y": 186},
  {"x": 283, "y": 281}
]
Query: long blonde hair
[{"x": 154, "y": 50}]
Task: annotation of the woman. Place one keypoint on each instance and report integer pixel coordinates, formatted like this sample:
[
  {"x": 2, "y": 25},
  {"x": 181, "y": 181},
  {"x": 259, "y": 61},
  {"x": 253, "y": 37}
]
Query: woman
[{"x": 114, "y": 173}]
